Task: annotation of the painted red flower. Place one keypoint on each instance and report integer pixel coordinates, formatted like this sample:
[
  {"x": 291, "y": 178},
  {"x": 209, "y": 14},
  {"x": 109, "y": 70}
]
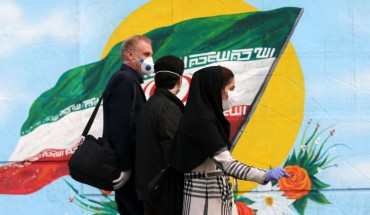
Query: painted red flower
[
  {"x": 106, "y": 192},
  {"x": 243, "y": 209},
  {"x": 299, "y": 183}
]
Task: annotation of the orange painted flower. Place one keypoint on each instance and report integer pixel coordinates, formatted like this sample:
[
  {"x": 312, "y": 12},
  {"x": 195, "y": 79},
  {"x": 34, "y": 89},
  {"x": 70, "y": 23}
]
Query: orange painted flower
[
  {"x": 299, "y": 183},
  {"x": 243, "y": 209},
  {"x": 106, "y": 192}
]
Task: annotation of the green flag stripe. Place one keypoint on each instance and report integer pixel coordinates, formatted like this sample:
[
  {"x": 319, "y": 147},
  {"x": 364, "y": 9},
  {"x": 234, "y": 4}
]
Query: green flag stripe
[
  {"x": 79, "y": 86},
  {"x": 227, "y": 32}
]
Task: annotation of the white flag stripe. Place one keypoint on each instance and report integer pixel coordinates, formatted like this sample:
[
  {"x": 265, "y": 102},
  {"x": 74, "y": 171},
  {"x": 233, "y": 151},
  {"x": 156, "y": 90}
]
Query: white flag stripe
[
  {"x": 61, "y": 134},
  {"x": 64, "y": 133}
]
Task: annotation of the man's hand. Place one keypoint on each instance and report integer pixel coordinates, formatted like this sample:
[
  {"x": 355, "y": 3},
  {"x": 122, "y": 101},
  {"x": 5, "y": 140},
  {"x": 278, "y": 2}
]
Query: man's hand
[
  {"x": 122, "y": 179},
  {"x": 275, "y": 174}
]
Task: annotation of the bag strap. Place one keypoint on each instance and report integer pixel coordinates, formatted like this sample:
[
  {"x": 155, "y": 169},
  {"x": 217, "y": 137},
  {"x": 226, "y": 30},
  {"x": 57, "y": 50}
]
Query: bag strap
[{"x": 93, "y": 115}]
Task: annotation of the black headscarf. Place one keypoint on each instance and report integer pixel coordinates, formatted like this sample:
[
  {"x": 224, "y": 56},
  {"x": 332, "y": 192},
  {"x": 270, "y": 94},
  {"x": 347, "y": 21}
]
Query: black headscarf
[{"x": 203, "y": 128}]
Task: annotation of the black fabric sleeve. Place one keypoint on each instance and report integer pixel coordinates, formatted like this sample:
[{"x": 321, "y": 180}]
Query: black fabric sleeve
[
  {"x": 169, "y": 118},
  {"x": 120, "y": 119}
]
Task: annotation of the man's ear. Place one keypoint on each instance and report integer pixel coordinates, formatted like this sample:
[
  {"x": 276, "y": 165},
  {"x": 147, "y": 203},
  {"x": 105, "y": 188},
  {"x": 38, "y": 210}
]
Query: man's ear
[
  {"x": 179, "y": 82},
  {"x": 129, "y": 55}
]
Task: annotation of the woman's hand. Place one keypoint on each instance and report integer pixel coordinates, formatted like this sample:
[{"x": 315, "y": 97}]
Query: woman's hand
[{"x": 275, "y": 174}]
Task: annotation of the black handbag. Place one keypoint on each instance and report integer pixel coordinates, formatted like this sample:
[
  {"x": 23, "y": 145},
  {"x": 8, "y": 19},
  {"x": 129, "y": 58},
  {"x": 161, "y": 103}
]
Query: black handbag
[
  {"x": 95, "y": 161},
  {"x": 166, "y": 192},
  {"x": 155, "y": 185}
]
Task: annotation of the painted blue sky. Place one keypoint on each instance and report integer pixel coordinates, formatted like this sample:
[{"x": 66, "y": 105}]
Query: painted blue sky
[
  {"x": 332, "y": 42},
  {"x": 39, "y": 42}
]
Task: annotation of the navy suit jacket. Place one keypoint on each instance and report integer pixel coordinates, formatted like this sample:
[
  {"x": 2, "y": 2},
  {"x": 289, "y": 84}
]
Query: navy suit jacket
[{"x": 119, "y": 127}]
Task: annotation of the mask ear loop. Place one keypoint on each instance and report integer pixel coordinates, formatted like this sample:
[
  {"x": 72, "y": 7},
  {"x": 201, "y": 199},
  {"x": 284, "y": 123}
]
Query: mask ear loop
[
  {"x": 164, "y": 71},
  {"x": 140, "y": 60}
]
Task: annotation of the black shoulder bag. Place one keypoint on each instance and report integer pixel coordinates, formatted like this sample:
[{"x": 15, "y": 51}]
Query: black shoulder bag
[
  {"x": 166, "y": 192},
  {"x": 95, "y": 161}
]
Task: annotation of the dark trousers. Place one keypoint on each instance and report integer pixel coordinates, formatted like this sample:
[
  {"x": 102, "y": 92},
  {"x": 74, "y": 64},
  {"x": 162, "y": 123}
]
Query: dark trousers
[
  {"x": 127, "y": 201},
  {"x": 148, "y": 209}
]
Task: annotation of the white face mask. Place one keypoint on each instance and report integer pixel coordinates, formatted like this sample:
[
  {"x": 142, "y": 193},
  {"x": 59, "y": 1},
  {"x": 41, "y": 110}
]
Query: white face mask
[
  {"x": 227, "y": 104},
  {"x": 147, "y": 65}
]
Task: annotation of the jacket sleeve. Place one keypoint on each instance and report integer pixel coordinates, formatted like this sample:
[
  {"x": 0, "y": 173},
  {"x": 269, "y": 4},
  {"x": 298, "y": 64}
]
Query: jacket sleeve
[
  {"x": 234, "y": 168},
  {"x": 120, "y": 119},
  {"x": 169, "y": 118}
]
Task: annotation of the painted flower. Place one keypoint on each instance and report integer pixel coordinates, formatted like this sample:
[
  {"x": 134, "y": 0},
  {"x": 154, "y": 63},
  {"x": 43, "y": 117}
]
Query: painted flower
[
  {"x": 106, "y": 192},
  {"x": 243, "y": 209},
  {"x": 299, "y": 183},
  {"x": 269, "y": 200}
]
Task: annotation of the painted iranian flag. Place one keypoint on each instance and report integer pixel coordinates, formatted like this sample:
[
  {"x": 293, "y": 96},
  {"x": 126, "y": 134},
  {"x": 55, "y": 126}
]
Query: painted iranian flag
[{"x": 250, "y": 44}]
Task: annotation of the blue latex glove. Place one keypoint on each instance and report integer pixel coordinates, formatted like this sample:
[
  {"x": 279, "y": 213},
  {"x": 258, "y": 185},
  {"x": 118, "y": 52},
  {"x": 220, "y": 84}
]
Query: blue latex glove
[{"x": 275, "y": 174}]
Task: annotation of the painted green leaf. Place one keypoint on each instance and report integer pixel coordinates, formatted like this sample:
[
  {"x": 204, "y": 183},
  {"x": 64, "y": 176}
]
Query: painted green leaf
[
  {"x": 245, "y": 200},
  {"x": 317, "y": 184},
  {"x": 300, "y": 205},
  {"x": 318, "y": 197},
  {"x": 292, "y": 160}
]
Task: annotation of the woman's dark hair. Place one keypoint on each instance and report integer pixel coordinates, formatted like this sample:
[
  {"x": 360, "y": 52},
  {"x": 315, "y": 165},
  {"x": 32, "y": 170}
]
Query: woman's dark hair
[{"x": 227, "y": 76}]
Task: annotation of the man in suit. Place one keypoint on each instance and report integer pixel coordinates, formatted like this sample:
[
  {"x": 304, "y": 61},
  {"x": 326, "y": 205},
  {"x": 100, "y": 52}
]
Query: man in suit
[{"x": 123, "y": 98}]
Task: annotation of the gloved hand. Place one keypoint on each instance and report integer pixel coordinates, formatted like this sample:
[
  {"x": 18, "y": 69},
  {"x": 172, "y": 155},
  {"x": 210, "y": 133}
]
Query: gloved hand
[
  {"x": 275, "y": 174},
  {"x": 122, "y": 179}
]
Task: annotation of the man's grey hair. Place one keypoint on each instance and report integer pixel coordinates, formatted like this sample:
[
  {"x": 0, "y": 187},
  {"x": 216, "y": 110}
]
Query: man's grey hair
[{"x": 130, "y": 44}]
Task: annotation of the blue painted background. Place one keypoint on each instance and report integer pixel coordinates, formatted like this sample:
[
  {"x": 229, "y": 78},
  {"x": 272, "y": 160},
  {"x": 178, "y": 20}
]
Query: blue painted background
[{"x": 40, "y": 41}]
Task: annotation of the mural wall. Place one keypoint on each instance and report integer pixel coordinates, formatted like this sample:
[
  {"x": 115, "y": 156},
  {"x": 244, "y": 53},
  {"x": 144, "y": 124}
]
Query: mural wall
[{"x": 302, "y": 74}]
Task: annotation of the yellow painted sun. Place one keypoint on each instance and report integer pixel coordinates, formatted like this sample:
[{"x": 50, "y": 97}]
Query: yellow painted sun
[{"x": 272, "y": 131}]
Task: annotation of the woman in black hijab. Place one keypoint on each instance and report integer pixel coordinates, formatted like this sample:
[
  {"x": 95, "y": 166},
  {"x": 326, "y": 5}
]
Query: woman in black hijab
[{"x": 201, "y": 147}]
